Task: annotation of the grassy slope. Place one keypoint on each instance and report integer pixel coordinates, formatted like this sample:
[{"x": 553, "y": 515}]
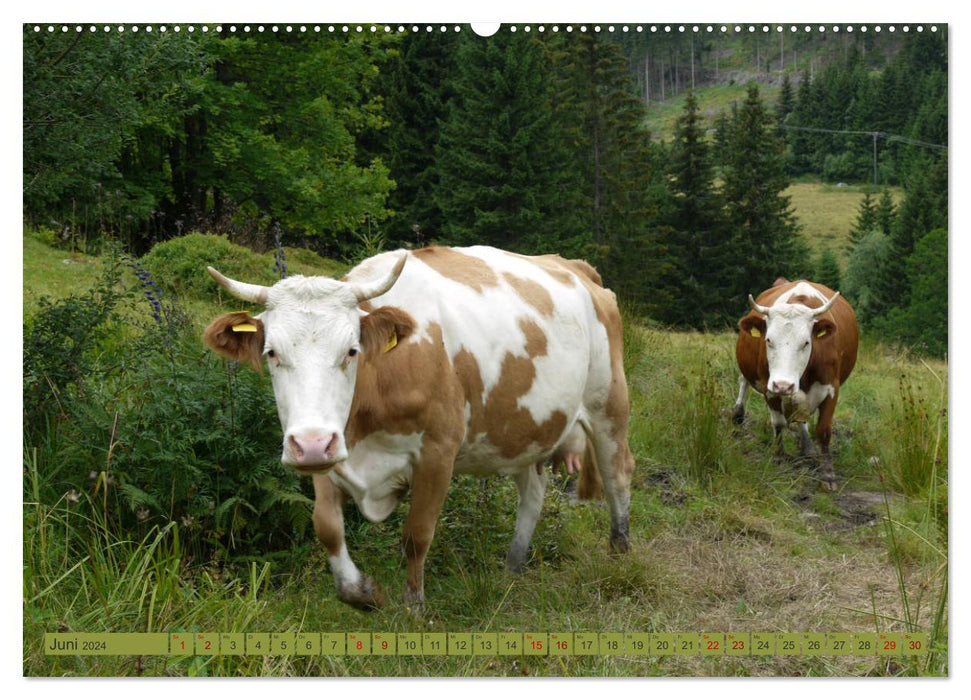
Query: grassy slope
[{"x": 754, "y": 547}]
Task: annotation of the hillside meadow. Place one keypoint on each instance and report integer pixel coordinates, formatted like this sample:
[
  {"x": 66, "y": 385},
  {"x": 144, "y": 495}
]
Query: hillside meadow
[{"x": 725, "y": 538}]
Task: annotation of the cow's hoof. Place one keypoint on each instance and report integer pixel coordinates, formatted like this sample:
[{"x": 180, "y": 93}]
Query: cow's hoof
[
  {"x": 620, "y": 544},
  {"x": 738, "y": 415},
  {"x": 414, "y": 602},
  {"x": 366, "y": 595}
]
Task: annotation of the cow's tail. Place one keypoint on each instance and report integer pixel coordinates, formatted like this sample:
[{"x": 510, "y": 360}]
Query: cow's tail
[{"x": 589, "y": 485}]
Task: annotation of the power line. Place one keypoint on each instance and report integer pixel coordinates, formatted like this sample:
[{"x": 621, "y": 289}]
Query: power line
[{"x": 874, "y": 135}]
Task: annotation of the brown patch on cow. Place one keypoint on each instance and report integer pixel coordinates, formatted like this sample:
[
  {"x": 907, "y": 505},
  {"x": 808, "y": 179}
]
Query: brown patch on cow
[
  {"x": 617, "y": 406},
  {"x": 532, "y": 292},
  {"x": 459, "y": 267},
  {"x": 535, "y": 338},
  {"x": 409, "y": 390},
  {"x": 509, "y": 427},
  {"x": 246, "y": 347},
  {"x": 582, "y": 267},
  {"x": 382, "y": 325},
  {"x": 780, "y": 281},
  {"x": 553, "y": 265}
]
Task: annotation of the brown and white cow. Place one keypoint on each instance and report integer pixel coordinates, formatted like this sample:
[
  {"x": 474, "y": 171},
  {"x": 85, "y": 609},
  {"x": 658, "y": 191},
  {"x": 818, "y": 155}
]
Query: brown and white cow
[
  {"x": 797, "y": 347},
  {"x": 423, "y": 364}
]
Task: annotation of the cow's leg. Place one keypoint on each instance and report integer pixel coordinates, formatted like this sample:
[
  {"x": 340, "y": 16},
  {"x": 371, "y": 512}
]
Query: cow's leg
[
  {"x": 738, "y": 411},
  {"x": 428, "y": 488},
  {"x": 806, "y": 447},
  {"x": 824, "y": 432},
  {"x": 615, "y": 463},
  {"x": 532, "y": 485},
  {"x": 353, "y": 587},
  {"x": 779, "y": 424}
]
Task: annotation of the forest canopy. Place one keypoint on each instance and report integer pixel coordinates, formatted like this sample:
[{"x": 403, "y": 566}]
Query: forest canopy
[{"x": 534, "y": 142}]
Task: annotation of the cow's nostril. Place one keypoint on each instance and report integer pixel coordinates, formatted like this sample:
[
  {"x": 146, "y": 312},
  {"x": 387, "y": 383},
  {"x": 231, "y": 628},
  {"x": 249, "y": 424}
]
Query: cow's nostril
[{"x": 295, "y": 448}]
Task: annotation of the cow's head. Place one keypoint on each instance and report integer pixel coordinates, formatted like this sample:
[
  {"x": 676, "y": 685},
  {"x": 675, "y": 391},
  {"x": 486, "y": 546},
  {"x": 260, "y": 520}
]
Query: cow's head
[
  {"x": 313, "y": 335},
  {"x": 789, "y": 330}
]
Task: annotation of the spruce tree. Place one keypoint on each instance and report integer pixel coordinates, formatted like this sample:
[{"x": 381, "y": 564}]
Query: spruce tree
[
  {"x": 416, "y": 93},
  {"x": 827, "y": 269},
  {"x": 866, "y": 220},
  {"x": 785, "y": 105},
  {"x": 699, "y": 242},
  {"x": 886, "y": 213},
  {"x": 501, "y": 155},
  {"x": 765, "y": 238},
  {"x": 619, "y": 187}
]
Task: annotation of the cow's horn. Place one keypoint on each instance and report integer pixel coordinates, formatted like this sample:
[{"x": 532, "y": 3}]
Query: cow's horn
[
  {"x": 756, "y": 307},
  {"x": 241, "y": 290},
  {"x": 825, "y": 307},
  {"x": 369, "y": 290}
]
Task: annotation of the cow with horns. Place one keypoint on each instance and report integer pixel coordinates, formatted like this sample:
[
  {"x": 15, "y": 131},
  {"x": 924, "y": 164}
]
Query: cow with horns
[
  {"x": 797, "y": 346},
  {"x": 420, "y": 365}
]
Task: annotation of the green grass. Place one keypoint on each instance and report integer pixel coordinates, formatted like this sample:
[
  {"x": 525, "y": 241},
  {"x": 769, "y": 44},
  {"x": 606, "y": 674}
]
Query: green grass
[
  {"x": 724, "y": 538},
  {"x": 661, "y": 116},
  {"x": 827, "y": 213}
]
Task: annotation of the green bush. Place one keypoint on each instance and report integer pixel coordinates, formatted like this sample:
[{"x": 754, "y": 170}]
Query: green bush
[
  {"x": 180, "y": 264},
  {"x": 155, "y": 429}
]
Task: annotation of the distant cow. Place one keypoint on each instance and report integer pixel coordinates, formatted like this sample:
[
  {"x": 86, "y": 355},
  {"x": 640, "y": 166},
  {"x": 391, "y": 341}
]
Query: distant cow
[
  {"x": 468, "y": 361},
  {"x": 797, "y": 347}
]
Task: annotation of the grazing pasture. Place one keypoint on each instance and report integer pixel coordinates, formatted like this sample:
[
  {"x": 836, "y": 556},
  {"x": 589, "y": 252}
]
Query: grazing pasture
[{"x": 724, "y": 537}]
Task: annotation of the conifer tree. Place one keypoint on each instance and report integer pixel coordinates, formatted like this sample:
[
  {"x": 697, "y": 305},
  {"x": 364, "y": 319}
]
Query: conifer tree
[
  {"x": 501, "y": 157},
  {"x": 619, "y": 187},
  {"x": 785, "y": 105},
  {"x": 765, "y": 238},
  {"x": 699, "y": 242},
  {"x": 827, "y": 269},
  {"x": 866, "y": 220},
  {"x": 886, "y": 213},
  {"x": 416, "y": 94}
]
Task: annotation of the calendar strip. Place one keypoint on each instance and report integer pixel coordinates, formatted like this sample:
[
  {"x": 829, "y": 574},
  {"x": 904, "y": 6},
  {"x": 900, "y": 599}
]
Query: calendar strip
[{"x": 416, "y": 644}]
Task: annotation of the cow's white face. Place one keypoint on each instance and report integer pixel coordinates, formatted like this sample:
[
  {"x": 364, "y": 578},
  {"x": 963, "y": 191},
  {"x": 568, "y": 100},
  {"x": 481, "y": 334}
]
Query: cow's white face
[
  {"x": 310, "y": 338},
  {"x": 788, "y": 345},
  {"x": 311, "y": 346}
]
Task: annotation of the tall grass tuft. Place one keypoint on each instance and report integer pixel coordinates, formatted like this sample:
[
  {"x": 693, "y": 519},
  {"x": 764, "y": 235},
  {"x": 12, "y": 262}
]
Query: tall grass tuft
[
  {"x": 919, "y": 469},
  {"x": 916, "y": 446},
  {"x": 704, "y": 445}
]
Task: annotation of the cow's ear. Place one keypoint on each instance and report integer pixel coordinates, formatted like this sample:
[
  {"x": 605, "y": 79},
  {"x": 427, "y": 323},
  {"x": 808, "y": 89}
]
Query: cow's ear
[
  {"x": 823, "y": 328},
  {"x": 383, "y": 329},
  {"x": 237, "y": 336},
  {"x": 754, "y": 325}
]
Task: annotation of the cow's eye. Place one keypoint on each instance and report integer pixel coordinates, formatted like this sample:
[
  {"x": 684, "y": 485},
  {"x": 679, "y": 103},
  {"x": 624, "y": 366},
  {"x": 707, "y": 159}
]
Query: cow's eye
[
  {"x": 271, "y": 353},
  {"x": 352, "y": 352}
]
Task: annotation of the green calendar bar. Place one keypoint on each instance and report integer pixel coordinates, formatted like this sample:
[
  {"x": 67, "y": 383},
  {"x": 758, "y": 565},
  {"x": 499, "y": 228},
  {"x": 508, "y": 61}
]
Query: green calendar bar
[
  {"x": 460, "y": 644},
  {"x": 418, "y": 644},
  {"x": 738, "y": 644},
  {"x": 712, "y": 644},
  {"x": 536, "y": 644},
  {"x": 410, "y": 644},
  {"x": 105, "y": 644},
  {"x": 637, "y": 643},
  {"x": 434, "y": 644}
]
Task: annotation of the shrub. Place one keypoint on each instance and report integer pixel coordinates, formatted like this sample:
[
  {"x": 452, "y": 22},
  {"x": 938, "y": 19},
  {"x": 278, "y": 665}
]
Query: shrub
[
  {"x": 62, "y": 342},
  {"x": 180, "y": 263},
  {"x": 155, "y": 429}
]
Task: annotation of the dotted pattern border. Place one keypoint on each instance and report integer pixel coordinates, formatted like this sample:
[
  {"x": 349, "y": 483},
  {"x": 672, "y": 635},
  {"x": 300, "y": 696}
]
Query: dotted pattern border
[{"x": 512, "y": 28}]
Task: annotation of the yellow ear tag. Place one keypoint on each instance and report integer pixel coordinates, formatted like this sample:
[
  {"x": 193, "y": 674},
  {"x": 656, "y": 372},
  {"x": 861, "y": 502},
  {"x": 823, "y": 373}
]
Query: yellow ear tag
[
  {"x": 244, "y": 328},
  {"x": 821, "y": 333},
  {"x": 392, "y": 342},
  {"x": 756, "y": 333}
]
